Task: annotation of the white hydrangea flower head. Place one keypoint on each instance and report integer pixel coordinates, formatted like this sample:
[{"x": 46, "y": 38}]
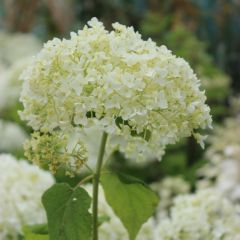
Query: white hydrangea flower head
[
  {"x": 112, "y": 228},
  {"x": 167, "y": 189},
  {"x": 204, "y": 215},
  {"x": 141, "y": 94},
  {"x": 12, "y": 136},
  {"x": 21, "y": 188}
]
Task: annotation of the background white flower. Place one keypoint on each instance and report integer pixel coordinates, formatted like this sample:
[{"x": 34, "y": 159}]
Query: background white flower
[
  {"x": 204, "y": 215},
  {"x": 21, "y": 188},
  {"x": 16, "y": 46},
  {"x": 167, "y": 189},
  {"x": 12, "y": 136},
  {"x": 222, "y": 172},
  {"x": 16, "y": 51}
]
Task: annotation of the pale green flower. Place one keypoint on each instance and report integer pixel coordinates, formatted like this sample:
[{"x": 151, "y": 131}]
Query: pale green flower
[{"x": 55, "y": 151}]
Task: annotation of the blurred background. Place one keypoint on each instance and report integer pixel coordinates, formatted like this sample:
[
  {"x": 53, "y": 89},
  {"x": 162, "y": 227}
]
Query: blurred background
[{"x": 205, "y": 33}]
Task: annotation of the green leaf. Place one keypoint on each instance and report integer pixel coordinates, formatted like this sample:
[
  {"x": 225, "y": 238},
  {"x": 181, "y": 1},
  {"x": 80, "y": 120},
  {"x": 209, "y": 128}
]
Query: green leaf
[
  {"x": 131, "y": 200},
  {"x": 34, "y": 236},
  {"x": 35, "y": 232},
  {"x": 67, "y": 212},
  {"x": 36, "y": 228}
]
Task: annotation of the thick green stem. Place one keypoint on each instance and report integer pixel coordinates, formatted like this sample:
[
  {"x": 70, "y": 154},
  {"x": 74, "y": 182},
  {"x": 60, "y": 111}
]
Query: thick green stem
[{"x": 96, "y": 184}]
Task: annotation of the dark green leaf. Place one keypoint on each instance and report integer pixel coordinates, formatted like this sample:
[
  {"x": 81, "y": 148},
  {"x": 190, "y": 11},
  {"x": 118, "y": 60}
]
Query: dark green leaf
[{"x": 67, "y": 212}]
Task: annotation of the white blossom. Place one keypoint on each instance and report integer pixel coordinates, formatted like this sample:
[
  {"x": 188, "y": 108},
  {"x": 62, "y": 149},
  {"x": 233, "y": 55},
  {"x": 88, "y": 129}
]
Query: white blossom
[
  {"x": 142, "y": 95},
  {"x": 12, "y": 136},
  {"x": 204, "y": 215},
  {"x": 167, "y": 189},
  {"x": 21, "y": 188},
  {"x": 222, "y": 172}
]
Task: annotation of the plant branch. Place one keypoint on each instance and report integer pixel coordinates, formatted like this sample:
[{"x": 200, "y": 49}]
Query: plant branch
[{"x": 96, "y": 179}]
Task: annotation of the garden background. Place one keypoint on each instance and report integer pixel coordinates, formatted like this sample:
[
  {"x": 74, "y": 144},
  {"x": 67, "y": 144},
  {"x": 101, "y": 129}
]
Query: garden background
[{"x": 205, "y": 33}]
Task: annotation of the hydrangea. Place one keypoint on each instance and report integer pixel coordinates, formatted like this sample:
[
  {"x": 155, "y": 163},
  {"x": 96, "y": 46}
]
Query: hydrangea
[
  {"x": 112, "y": 228},
  {"x": 168, "y": 189},
  {"x": 21, "y": 187},
  {"x": 142, "y": 95},
  {"x": 12, "y": 136},
  {"x": 204, "y": 215},
  {"x": 223, "y": 169}
]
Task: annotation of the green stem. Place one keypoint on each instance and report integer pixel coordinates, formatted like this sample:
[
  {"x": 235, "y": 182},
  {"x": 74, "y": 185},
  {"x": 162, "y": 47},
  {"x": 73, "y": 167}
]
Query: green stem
[
  {"x": 84, "y": 180},
  {"x": 96, "y": 179}
]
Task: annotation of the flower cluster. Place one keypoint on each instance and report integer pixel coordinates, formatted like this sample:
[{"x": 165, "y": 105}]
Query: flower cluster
[
  {"x": 55, "y": 150},
  {"x": 21, "y": 187},
  {"x": 223, "y": 169},
  {"x": 204, "y": 215},
  {"x": 168, "y": 189},
  {"x": 12, "y": 136},
  {"x": 141, "y": 94}
]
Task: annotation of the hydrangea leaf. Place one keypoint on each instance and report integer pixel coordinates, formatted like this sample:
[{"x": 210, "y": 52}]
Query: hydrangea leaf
[
  {"x": 67, "y": 212},
  {"x": 132, "y": 201},
  {"x": 36, "y": 232},
  {"x": 34, "y": 236}
]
